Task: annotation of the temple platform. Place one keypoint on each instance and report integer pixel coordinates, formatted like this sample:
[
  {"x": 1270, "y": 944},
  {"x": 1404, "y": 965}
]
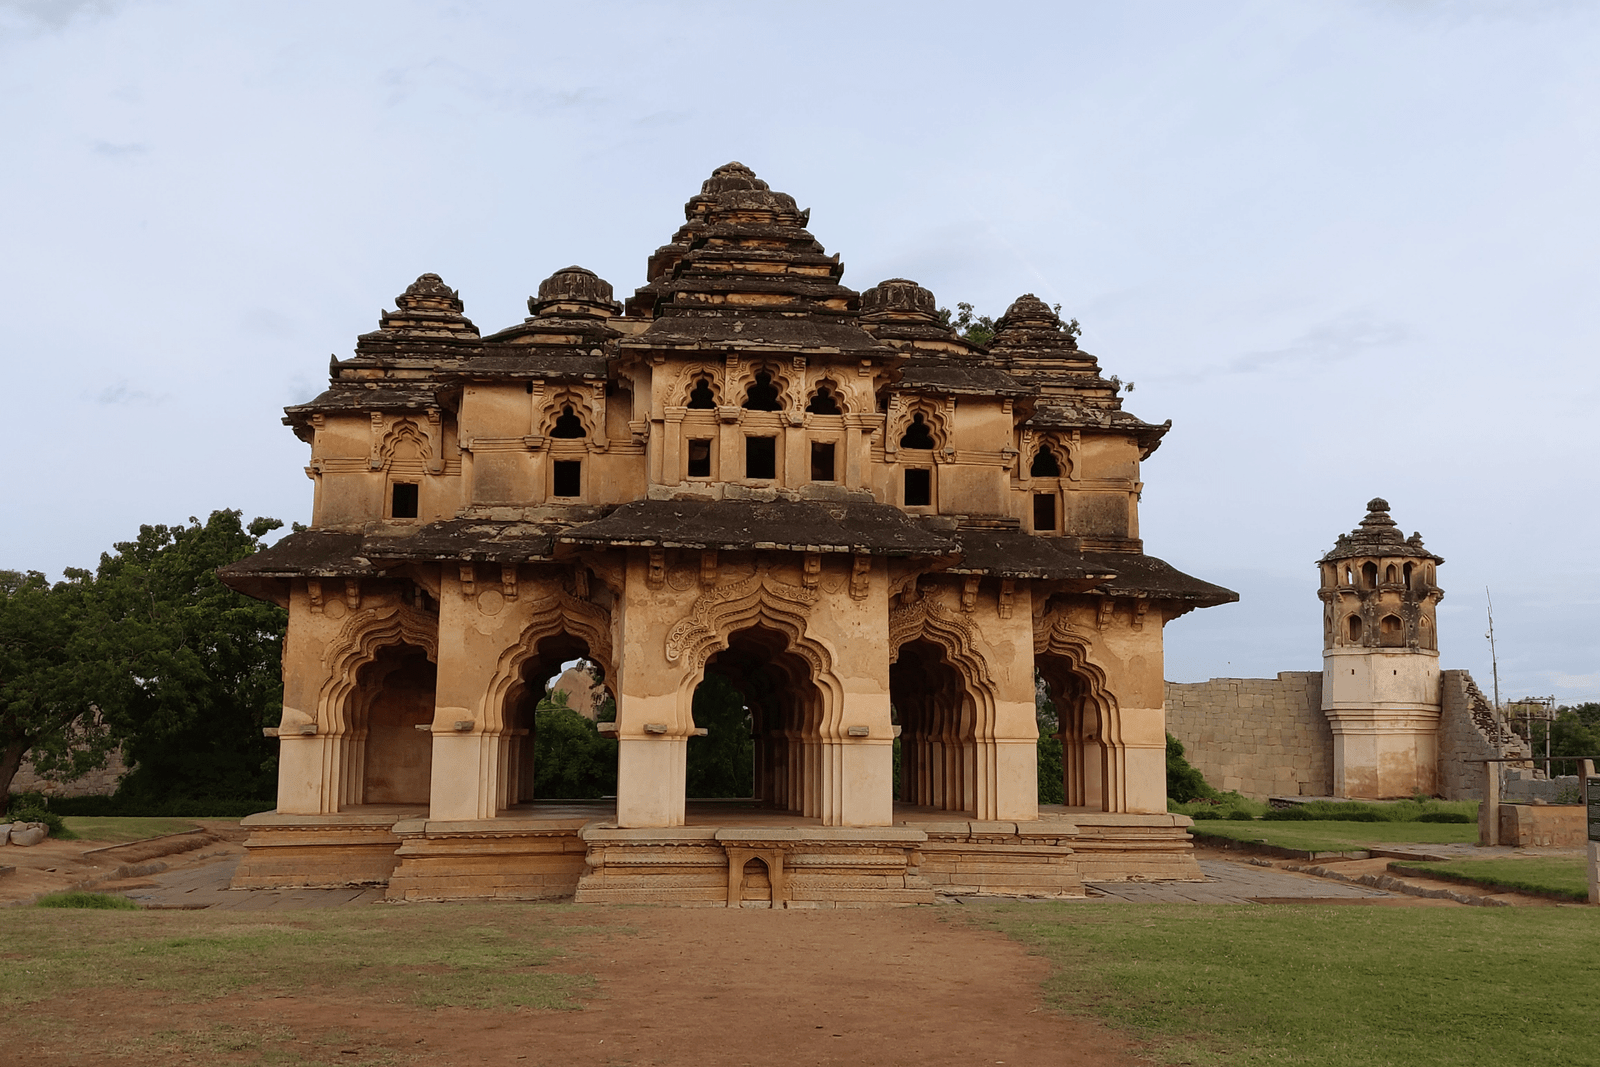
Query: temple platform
[{"x": 727, "y": 854}]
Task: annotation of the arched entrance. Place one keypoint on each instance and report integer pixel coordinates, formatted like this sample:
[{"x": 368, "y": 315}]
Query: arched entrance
[
  {"x": 1087, "y": 768},
  {"x": 936, "y": 716},
  {"x": 390, "y": 759},
  {"x": 570, "y": 760},
  {"x": 783, "y": 712}
]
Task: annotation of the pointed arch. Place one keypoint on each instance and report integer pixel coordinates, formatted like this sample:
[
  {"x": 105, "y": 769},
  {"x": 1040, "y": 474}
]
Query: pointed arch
[
  {"x": 764, "y": 601},
  {"x": 562, "y": 613},
  {"x": 405, "y": 437},
  {"x": 932, "y": 415},
  {"x": 1094, "y": 756},
  {"x": 360, "y": 640},
  {"x": 749, "y": 376},
  {"x": 560, "y": 409}
]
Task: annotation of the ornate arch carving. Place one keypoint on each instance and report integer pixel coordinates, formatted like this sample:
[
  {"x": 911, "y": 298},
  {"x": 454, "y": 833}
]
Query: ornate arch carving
[
  {"x": 937, "y": 416},
  {"x": 847, "y": 402},
  {"x": 927, "y": 619},
  {"x": 762, "y": 600},
  {"x": 362, "y": 637},
  {"x": 1035, "y": 442},
  {"x": 557, "y": 403},
  {"x": 1055, "y": 636},
  {"x": 703, "y": 632},
  {"x": 782, "y": 380},
  {"x": 562, "y": 613},
  {"x": 690, "y": 375},
  {"x": 404, "y": 432}
]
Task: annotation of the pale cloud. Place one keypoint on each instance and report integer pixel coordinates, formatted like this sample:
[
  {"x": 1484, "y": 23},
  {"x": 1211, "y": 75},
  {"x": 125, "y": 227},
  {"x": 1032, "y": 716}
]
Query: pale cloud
[
  {"x": 122, "y": 394},
  {"x": 126, "y": 150},
  {"x": 1333, "y": 341}
]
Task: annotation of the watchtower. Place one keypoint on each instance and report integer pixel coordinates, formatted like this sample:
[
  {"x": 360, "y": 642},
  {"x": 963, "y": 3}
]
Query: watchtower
[{"x": 1380, "y": 659}]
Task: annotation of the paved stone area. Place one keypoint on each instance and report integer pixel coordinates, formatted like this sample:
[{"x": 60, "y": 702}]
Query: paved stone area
[
  {"x": 1228, "y": 882},
  {"x": 206, "y": 886}
]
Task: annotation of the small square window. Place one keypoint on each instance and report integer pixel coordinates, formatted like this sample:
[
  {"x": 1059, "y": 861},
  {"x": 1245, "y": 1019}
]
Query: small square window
[
  {"x": 1044, "y": 511},
  {"x": 761, "y": 457},
  {"x": 567, "y": 478},
  {"x": 919, "y": 487},
  {"x": 822, "y": 469},
  {"x": 403, "y": 504},
  {"x": 699, "y": 458}
]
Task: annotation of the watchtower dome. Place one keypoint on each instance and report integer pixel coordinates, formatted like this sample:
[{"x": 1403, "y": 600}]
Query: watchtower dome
[{"x": 1380, "y": 659}]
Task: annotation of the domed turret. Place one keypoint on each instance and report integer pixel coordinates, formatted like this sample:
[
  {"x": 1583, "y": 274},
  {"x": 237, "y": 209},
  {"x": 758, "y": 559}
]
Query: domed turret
[
  {"x": 1380, "y": 658},
  {"x": 574, "y": 292}
]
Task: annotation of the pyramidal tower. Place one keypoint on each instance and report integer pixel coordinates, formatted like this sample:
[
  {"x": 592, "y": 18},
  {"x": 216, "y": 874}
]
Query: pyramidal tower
[{"x": 1380, "y": 659}]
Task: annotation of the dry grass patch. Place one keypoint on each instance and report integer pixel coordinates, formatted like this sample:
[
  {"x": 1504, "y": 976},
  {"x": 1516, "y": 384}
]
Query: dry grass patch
[{"x": 482, "y": 956}]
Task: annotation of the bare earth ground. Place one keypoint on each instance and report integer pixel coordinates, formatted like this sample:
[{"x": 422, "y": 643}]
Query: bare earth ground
[{"x": 673, "y": 986}]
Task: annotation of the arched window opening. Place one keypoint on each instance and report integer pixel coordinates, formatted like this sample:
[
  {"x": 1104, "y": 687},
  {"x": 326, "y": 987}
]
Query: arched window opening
[
  {"x": 700, "y": 398},
  {"x": 917, "y": 435},
  {"x": 762, "y": 394},
  {"x": 756, "y": 891},
  {"x": 1349, "y": 576},
  {"x": 1045, "y": 465},
  {"x": 1391, "y": 631},
  {"x": 1352, "y": 626},
  {"x": 1408, "y": 569},
  {"x": 1369, "y": 575},
  {"x": 1391, "y": 574},
  {"x": 824, "y": 402},
  {"x": 568, "y": 425}
]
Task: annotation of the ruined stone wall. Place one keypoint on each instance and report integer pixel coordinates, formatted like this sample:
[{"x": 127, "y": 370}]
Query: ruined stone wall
[
  {"x": 1260, "y": 736},
  {"x": 1469, "y": 731},
  {"x": 94, "y": 784}
]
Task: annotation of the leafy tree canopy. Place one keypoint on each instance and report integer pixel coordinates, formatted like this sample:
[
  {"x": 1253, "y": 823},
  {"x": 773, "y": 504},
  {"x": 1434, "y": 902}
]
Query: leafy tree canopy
[{"x": 152, "y": 652}]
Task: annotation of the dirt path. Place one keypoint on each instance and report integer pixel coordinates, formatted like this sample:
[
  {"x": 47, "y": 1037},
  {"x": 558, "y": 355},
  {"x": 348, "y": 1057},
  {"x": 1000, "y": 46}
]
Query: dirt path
[{"x": 674, "y": 986}]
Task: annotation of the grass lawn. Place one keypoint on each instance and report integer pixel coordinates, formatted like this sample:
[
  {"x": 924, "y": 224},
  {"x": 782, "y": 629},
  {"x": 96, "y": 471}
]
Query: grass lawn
[
  {"x": 115, "y": 829},
  {"x": 479, "y": 956},
  {"x": 1567, "y": 875},
  {"x": 1338, "y": 836},
  {"x": 1322, "y": 986}
]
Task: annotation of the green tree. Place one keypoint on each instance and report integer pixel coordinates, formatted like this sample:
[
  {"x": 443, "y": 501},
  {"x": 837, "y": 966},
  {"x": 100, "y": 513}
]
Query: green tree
[
  {"x": 1184, "y": 782},
  {"x": 1574, "y": 733},
  {"x": 721, "y": 764},
  {"x": 46, "y": 703},
  {"x": 187, "y": 671},
  {"x": 1051, "y": 787},
  {"x": 572, "y": 760}
]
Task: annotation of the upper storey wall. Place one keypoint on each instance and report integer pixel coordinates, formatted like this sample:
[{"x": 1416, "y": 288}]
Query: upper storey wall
[{"x": 743, "y": 368}]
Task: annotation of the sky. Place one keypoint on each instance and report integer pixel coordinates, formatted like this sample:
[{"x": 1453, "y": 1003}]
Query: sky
[{"x": 1350, "y": 249}]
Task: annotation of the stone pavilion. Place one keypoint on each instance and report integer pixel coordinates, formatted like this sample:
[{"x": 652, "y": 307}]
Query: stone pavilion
[{"x": 874, "y": 529}]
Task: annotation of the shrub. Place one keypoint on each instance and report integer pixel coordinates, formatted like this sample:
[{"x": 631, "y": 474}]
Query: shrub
[
  {"x": 1298, "y": 813},
  {"x": 1204, "y": 814},
  {"x": 31, "y": 807},
  {"x": 1184, "y": 782},
  {"x": 79, "y": 899},
  {"x": 1241, "y": 816}
]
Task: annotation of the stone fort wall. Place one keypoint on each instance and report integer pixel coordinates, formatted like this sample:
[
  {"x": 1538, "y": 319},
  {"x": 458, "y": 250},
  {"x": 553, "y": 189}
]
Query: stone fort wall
[
  {"x": 1258, "y": 736},
  {"x": 1268, "y": 736}
]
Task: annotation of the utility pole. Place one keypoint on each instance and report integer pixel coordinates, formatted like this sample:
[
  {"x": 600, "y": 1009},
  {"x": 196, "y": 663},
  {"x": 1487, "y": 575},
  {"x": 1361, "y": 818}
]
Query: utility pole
[{"x": 1494, "y": 663}]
